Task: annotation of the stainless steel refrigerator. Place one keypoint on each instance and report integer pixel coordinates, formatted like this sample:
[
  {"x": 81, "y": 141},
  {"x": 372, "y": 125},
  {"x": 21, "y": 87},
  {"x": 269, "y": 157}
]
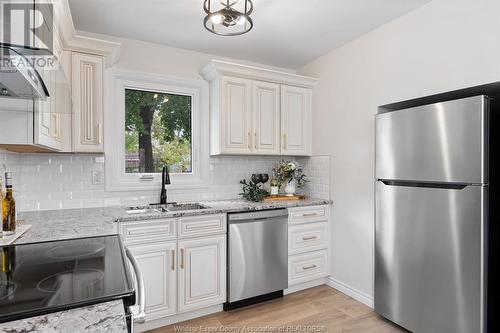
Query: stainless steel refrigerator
[{"x": 434, "y": 253}]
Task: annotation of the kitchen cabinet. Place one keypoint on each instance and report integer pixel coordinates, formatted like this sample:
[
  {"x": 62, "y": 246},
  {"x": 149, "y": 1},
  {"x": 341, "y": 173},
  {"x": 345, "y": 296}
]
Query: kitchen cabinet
[
  {"x": 256, "y": 111},
  {"x": 47, "y": 130},
  {"x": 202, "y": 272},
  {"x": 296, "y": 114},
  {"x": 157, "y": 264},
  {"x": 236, "y": 116},
  {"x": 266, "y": 118},
  {"x": 307, "y": 245},
  {"x": 87, "y": 86},
  {"x": 182, "y": 260}
]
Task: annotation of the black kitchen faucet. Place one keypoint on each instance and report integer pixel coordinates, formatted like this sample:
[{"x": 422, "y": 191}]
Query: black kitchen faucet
[{"x": 165, "y": 180}]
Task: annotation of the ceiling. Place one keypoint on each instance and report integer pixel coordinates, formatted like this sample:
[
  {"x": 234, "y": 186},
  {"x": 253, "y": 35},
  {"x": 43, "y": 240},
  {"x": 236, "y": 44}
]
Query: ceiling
[{"x": 286, "y": 33}]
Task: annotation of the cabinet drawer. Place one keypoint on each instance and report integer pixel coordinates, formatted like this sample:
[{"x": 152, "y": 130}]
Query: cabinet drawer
[
  {"x": 192, "y": 226},
  {"x": 139, "y": 231},
  {"x": 307, "y": 267},
  {"x": 307, "y": 214},
  {"x": 307, "y": 237}
]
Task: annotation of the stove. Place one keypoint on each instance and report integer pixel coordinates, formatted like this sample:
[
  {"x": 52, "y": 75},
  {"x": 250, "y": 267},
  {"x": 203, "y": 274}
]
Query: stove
[{"x": 39, "y": 278}]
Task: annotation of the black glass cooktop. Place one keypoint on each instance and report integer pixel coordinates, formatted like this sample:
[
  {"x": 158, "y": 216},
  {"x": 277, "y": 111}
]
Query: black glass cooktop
[{"x": 46, "y": 277}]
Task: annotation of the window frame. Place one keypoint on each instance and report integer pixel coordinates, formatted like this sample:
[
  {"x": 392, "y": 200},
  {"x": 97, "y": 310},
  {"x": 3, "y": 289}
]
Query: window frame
[{"x": 114, "y": 135}]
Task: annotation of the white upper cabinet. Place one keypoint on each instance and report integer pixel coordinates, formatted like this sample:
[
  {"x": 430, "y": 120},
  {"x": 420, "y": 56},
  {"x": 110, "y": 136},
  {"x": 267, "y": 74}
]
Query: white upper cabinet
[
  {"x": 236, "y": 116},
  {"x": 256, "y": 111},
  {"x": 87, "y": 103},
  {"x": 266, "y": 118},
  {"x": 296, "y": 116}
]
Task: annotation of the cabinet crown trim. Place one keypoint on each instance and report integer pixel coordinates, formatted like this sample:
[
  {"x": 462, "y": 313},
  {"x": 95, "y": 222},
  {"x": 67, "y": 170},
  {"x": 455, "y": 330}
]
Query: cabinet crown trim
[{"x": 216, "y": 68}]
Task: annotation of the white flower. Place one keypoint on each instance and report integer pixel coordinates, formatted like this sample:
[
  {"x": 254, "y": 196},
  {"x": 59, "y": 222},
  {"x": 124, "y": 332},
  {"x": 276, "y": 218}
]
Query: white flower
[{"x": 291, "y": 166}]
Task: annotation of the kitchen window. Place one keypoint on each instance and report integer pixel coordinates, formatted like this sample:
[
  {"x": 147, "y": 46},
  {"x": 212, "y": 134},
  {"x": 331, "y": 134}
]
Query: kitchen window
[
  {"x": 152, "y": 121},
  {"x": 157, "y": 132}
]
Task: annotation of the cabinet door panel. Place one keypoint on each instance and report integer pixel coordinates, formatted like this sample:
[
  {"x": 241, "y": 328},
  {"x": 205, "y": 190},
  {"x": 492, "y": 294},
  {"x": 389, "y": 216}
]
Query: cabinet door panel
[
  {"x": 45, "y": 118},
  {"x": 202, "y": 273},
  {"x": 296, "y": 113},
  {"x": 266, "y": 117},
  {"x": 157, "y": 264},
  {"x": 236, "y": 118},
  {"x": 87, "y": 103}
]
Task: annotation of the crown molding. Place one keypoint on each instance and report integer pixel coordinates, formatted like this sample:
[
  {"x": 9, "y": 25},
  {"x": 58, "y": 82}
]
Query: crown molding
[
  {"x": 216, "y": 68},
  {"x": 71, "y": 40}
]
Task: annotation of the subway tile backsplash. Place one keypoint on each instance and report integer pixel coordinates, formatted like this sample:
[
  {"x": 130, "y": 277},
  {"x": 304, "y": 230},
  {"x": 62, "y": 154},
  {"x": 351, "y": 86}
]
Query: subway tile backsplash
[{"x": 64, "y": 181}]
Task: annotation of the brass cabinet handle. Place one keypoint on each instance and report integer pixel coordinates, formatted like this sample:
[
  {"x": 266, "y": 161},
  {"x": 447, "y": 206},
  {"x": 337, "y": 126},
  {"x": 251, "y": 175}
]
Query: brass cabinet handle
[
  {"x": 249, "y": 140},
  {"x": 308, "y": 267},
  {"x": 182, "y": 258},
  {"x": 309, "y": 238},
  {"x": 173, "y": 260},
  {"x": 284, "y": 141},
  {"x": 310, "y": 214},
  {"x": 99, "y": 133},
  {"x": 255, "y": 143}
]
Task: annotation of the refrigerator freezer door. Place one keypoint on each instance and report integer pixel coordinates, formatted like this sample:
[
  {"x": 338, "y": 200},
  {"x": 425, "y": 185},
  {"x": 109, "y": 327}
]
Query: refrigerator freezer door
[
  {"x": 443, "y": 142},
  {"x": 429, "y": 257}
]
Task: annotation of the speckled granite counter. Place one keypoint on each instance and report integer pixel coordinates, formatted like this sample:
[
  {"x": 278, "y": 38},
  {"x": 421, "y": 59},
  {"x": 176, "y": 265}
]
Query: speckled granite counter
[
  {"x": 75, "y": 223},
  {"x": 104, "y": 317},
  {"x": 222, "y": 206}
]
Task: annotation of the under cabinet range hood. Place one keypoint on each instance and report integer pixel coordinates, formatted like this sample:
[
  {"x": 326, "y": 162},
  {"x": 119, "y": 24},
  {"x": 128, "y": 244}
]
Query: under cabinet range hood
[{"x": 18, "y": 76}]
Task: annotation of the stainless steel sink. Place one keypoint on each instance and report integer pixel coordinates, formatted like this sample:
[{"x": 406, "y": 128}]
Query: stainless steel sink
[
  {"x": 185, "y": 206},
  {"x": 170, "y": 207}
]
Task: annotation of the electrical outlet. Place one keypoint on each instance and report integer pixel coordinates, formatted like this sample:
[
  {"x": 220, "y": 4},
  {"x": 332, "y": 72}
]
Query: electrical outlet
[{"x": 97, "y": 178}]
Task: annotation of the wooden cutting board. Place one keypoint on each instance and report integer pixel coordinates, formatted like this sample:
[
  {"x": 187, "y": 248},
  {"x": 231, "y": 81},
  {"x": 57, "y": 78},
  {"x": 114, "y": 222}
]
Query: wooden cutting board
[{"x": 280, "y": 197}]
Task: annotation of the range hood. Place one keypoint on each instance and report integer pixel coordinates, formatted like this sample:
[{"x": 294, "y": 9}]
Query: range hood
[{"x": 18, "y": 77}]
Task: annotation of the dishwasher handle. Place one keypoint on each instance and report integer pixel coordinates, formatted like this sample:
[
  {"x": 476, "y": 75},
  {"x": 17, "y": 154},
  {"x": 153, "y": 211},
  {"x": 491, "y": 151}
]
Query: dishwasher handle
[
  {"x": 257, "y": 215},
  {"x": 138, "y": 310}
]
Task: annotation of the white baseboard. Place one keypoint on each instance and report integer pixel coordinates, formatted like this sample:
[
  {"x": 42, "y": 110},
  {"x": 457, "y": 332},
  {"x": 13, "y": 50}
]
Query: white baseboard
[
  {"x": 305, "y": 285},
  {"x": 350, "y": 291},
  {"x": 152, "y": 324}
]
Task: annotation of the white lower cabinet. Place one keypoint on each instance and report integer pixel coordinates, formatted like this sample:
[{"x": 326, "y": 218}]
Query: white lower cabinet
[
  {"x": 157, "y": 264},
  {"x": 202, "y": 273},
  {"x": 307, "y": 243},
  {"x": 183, "y": 271}
]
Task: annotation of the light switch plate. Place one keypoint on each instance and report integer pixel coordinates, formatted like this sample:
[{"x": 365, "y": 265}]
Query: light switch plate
[{"x": 97, "y": 178}]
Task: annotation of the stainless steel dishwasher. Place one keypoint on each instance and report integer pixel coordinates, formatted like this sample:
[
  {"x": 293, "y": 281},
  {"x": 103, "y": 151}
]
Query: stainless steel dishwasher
[{"x": 257, "y": 257}]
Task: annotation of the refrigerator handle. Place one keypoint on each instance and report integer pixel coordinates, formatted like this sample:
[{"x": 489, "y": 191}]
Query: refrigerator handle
[{"x": 450, "y": 186}]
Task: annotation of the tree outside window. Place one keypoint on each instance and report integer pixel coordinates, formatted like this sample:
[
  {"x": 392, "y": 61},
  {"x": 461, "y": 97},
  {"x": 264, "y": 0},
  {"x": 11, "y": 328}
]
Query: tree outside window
[{"x": 157, "y": 132}]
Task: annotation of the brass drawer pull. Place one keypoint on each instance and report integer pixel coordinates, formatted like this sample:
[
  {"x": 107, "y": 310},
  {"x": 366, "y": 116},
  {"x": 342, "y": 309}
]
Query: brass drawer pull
[
  {"x": 173, "y": 260},
  {"x": 308, "y": 267},
  {"x": 182, "y": 258},
  {"x": 309, "y": 238},
  {"x": 310, "y": 214}
]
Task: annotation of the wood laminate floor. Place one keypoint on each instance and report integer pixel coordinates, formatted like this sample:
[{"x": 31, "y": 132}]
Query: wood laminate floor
[{"x": 319, "y": 309}]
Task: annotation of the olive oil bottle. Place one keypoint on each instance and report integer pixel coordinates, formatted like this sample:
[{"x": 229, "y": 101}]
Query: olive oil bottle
[{"x": 8, "y": 207}]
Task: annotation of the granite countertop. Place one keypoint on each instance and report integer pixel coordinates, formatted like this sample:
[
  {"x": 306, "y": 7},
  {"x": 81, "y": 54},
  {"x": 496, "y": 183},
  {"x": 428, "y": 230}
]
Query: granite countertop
[
  {"x": 76, "y": 223},
  {"x": 220, "y": 207},
  {"x": 103, "y": 317}
]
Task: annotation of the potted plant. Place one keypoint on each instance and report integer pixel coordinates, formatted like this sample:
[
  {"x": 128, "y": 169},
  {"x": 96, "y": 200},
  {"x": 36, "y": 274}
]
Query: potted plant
[
  {"x": 291, "y": 174},
  {"x": 252, "y": 191},
  {"x": 275, "y": 186}
]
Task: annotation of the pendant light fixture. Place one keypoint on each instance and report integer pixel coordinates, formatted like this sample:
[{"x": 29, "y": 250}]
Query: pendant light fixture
[{"x": 228, "y": 17}]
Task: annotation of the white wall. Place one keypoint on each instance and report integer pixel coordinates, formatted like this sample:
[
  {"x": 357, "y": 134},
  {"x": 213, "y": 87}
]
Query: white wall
[{"x": 442, "y": 46}]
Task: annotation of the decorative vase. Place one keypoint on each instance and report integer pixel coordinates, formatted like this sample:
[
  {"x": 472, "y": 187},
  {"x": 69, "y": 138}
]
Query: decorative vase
[
  {"x": 274, "y": 190},
  {"x": 290, "y": 188}
]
